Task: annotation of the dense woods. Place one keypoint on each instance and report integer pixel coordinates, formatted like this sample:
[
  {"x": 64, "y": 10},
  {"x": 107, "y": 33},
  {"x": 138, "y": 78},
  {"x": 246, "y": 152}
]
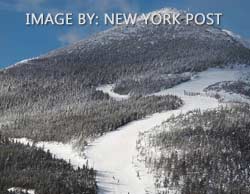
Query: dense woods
[
  {"x": 86, "y": 120},
  {"x": 28, "y": 167},
  {"x": 201, "y": 152},
  {"x": 150, "y": 83}
]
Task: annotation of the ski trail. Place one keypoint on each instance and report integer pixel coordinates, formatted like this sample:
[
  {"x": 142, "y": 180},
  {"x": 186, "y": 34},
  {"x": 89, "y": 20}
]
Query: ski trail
[{"x": 113, "y": 155}]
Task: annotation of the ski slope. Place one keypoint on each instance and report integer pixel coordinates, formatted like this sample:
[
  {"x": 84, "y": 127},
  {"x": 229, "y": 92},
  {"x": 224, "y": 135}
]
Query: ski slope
[
  {"x": 65, "y": 151},
  {"x": 114, "y": 154}
]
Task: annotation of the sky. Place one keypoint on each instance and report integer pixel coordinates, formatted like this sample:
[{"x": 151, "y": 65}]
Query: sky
[{"x": 18, "y": 41}]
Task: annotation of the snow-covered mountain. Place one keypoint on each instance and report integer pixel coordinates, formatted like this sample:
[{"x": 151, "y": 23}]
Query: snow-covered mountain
[
  {"x": 128, "y": 50},
  {"x": 136, "y": 58},
  {"x": 71, "y": 93}
]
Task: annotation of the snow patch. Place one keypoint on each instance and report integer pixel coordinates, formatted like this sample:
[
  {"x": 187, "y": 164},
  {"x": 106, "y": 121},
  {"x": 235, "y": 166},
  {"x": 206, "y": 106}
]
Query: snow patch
[
  {"x": 201, "y": 80},
  {"x": 21, "y": 190},
  {"x": 238, "y": 38},
  {"x": 109, "y": 89},
  {"x": 64, "y": 151},
  {"x": 231, "y": 97},
  {"x": 20, "y": 62}
]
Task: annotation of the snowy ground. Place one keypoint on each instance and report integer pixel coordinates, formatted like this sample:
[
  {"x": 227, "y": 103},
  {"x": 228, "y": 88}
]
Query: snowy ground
[
  {"x": 65, "y": 151},
  {"x": 206, "y": 78},
  {"x": 108, "y": 89},
  {"x": 113, "y": 155}
]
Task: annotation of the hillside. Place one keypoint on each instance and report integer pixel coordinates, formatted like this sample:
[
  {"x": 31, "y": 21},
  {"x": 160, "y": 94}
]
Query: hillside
[
  {"x": 25, "y": 167},
  {"x": 87, "y": 120},
  {"x": 88, "y": 102},
  {"x": 238, "y": 87},
  {"x": 200, "y": 152},
  {"x": 61, "y": 85},
  {"x": 128, "y": 51},
  {"x": 132, "y": 50}
]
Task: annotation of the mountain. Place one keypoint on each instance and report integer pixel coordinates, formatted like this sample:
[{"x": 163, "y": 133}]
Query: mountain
[
  {"x": 140, "y": 49},
  {"x": 146, "y": 57}
]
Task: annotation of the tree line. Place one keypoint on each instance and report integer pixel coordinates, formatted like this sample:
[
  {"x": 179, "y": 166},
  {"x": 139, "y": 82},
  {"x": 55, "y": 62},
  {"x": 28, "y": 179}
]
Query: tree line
[
  {"x": 87, "y": 120},
  {"x": 28, "y": 167}
]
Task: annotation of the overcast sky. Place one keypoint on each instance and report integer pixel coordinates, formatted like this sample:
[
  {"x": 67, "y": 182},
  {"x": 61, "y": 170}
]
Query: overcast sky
[{"x": 18, "y": 41}]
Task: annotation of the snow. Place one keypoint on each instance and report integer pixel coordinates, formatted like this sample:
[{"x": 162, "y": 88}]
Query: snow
[
  {"x": 232, "y": 97},
  {"x": 65, "y": 151},
  {"x": 206, "y": 78},
  {"x": 109, "y": 89},
  {"x": 114, "y": 154},
  {"x": 213, "y": 75},
  {"x": 163, "y": 11},
  {"x": 230, "y": 33},
  {"x": 20, "y": 62},
  {"x": 237, "y": 37},
  {"x": 18, "y": 190}
]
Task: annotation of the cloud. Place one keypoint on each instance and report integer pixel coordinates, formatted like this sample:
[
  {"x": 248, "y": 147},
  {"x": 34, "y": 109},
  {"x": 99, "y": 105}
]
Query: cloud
[
  {"x": 91, "y": 6},
  {"x": 70, "y": 37}
]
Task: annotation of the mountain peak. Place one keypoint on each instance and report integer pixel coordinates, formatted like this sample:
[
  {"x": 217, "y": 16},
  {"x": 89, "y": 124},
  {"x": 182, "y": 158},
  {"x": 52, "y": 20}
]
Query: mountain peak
[
  {"x": 167, "y": 10},
  {"x": 144, "y": 48}
]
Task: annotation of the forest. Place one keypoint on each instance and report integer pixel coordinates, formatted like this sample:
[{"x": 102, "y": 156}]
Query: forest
[
  {"x": 238, "y": 87},
  {"x": 28, "y": 167},
  {"x": 86, "y": 120},
  {"x": 201, "y": 152},
  {"x": 54, "y": 97},
  {"x": 150, "y": 84}
]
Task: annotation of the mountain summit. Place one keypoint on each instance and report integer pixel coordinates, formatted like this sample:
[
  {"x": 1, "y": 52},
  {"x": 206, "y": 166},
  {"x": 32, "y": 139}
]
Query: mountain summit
[
  {"x": 55, "y": 96},
  {"x": 128, "y": 50}
]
